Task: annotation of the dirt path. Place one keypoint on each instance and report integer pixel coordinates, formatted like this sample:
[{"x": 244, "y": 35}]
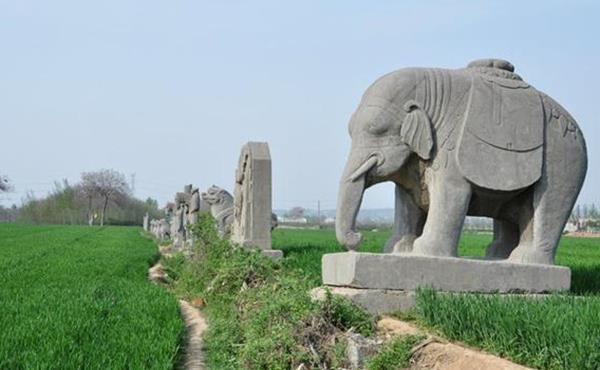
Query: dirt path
[
  {"x": 195, "y": 324},
  {"x": 195, "y": 327}
]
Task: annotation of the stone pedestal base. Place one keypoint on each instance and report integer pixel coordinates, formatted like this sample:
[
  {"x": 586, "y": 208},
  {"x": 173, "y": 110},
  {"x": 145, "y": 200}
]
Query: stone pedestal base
[
  {"x": 407, "y": 272},
  {"x": 375, "y": 301},
  {"x": 379, "y": 301},
  {"x": 272, "y": 253}
]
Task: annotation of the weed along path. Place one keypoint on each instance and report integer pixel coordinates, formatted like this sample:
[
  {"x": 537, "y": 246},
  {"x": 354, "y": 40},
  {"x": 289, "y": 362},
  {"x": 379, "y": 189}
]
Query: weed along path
[
  {"x": 78, "y": 297},
  {"x": 261, "y": 314},
  {"x": 194, "y": 321}
]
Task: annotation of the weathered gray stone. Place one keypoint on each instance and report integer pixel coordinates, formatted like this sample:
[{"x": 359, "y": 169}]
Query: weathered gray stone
[
  {"x": 252, "y": 198},
  {"x": 359, "y": 349},
  {"x": 146, "y": 223},
  {"x": 272, "y": 253},
  {"x": 160, "y": 229},
  {"x": 164, "y": 229},
  {"x": 409, "y": 272},
  {"x": 380, "y": 301},
  {"x": 183, "y": 213},
  {"x": 474, "y": 141},
  {"x": 195, "y": 206},
  {"x": 375, "y": 301},
  {"x": 408, "y": 223},
  {"x": 220, "y": 202},
  {"x": 178, "y": 227}
]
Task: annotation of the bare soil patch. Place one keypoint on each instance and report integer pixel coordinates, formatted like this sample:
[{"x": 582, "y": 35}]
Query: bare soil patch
[{"x": 437, "y": 353}]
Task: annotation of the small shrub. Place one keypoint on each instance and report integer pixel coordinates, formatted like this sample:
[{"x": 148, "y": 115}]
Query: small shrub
[
  {"x": 260, "y": 313},
  {"x": 345, "y": 315},
  {"x": 394, "y": 354}
]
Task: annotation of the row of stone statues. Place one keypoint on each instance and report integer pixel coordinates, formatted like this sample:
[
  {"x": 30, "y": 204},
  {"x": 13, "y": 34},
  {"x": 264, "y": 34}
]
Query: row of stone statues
[
  {"x": 477, "y": 141},
  {"x": 246, "y": 217},
  {"x": 179, "y": 215},
  {"x": 159, "y": 228}
]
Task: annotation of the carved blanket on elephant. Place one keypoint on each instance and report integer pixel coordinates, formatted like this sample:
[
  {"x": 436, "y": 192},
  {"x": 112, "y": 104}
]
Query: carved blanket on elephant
[{"x": 501, "y": 145}]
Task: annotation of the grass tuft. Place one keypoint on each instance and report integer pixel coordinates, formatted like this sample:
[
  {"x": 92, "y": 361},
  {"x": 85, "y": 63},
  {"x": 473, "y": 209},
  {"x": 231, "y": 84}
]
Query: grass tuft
[{"x": 395, "y": 354}]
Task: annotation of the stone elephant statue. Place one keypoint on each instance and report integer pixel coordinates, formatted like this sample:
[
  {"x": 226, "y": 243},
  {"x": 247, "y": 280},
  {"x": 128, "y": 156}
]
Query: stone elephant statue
[{"x": 475, "y": 141}]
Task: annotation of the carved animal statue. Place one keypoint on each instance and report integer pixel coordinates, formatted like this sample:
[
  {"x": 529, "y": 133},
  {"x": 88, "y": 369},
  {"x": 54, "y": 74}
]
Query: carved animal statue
[
  {"x": 160, "y": 229},
  {"x": 146, "y": 221},
  {"x": 153, "y": 227},
  {"x": 221, "y": 207},
  {"x": 164, "y": 229},
  {"x": 475, "y": 141},
  {"x": 177, "y": 227}
]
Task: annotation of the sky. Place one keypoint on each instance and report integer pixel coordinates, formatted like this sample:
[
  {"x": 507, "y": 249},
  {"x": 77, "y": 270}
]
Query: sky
[{"x": 169, "y": 91}]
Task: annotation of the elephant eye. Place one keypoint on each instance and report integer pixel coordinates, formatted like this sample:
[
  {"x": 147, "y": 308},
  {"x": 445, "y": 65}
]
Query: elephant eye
[{"x": 380, "y": 122}]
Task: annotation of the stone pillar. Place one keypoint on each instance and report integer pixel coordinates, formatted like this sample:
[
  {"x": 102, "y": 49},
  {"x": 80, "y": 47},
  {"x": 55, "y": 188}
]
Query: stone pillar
[
  {"x": 146, "y": 218},
  {"x": 252, "y": 199},
  {"x": 195, "y": 206}
]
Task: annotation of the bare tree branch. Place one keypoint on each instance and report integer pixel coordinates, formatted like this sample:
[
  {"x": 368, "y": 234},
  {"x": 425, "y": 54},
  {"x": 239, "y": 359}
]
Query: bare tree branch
[{"x": 106, "y": 184}]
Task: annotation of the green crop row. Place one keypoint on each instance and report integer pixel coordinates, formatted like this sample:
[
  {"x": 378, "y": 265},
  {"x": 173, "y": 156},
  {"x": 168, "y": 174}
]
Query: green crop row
[{"x": 76, "y": 297}]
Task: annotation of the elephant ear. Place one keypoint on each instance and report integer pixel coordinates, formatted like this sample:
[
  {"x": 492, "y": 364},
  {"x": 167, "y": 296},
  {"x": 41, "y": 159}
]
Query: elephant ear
[{"x": 416, "y": 130}]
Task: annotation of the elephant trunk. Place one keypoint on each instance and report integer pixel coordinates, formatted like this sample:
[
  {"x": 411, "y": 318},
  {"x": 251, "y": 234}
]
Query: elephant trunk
[{"x": 350, "y": 194}]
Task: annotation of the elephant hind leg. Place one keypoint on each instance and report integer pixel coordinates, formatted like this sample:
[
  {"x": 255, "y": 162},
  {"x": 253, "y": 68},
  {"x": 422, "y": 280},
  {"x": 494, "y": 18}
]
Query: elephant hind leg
[
  {"x": 553, "y": 199},
  {"x": 506, "y": 238},
  {"x": 541, "y": 235},
  {"x": 515, "y": 229}
]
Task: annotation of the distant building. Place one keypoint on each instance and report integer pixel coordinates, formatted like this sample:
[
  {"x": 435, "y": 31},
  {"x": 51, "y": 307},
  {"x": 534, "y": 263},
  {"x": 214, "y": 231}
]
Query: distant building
[
  {"x": 570, "y": 227},
  {"x": 292, "y": 220}
]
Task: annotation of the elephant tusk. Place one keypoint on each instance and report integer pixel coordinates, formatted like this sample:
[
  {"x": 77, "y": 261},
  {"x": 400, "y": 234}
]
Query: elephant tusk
[{"x": 364, "y": 168}]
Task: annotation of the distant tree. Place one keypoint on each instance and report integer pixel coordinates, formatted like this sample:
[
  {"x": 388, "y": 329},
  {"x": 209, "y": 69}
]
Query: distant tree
[
  {"x": 575, "y": 214},
  {"x": 87, "y": 190},
  {"x": 152, "y": 203},
  {"x": 106, "y": 184},
  {"x": 296, "y": 212},
  {"x": 8, "y": 214},
  {"x": 593, "y": 211},
  {"x": 79, "y": 203}
]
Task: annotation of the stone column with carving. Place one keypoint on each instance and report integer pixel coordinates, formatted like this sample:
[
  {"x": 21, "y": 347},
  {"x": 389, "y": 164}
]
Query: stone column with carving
[
  {"x": 252, "y": 199},
  {"x": 146, "y": 222}
]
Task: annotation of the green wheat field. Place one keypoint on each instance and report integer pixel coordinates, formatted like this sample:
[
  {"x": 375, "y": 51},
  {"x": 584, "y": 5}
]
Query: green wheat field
[
  {"x": 74, "y": 297},
  {"x": 78, "y": 297}
]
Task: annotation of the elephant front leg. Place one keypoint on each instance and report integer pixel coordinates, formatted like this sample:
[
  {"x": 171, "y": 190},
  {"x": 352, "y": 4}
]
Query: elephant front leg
[
  {"x": 449, "y": 202},
  {"x": 506, "y": 238},
  {"x": 408, "y": 223}
]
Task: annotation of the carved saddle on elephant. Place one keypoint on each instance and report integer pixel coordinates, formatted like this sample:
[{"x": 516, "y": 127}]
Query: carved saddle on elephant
[{"x": 503, "y": 127}]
